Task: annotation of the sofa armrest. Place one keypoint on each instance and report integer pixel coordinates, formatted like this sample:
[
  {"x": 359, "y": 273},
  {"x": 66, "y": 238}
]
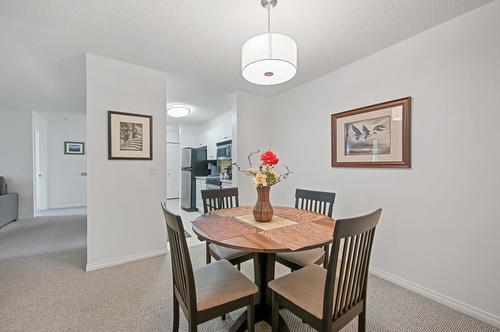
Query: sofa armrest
[{"x": 8, "y": 208}]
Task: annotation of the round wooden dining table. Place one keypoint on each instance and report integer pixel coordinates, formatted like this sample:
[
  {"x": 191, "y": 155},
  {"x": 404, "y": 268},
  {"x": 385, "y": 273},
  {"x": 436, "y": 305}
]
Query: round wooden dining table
[{"x": 290, "y": 230}]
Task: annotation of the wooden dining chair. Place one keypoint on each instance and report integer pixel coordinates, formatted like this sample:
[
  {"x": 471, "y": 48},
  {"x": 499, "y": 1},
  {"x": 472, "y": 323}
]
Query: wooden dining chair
[
  {"x": 208, "y": 292},
  {"x": 328, "y": 299},
  {"x": 216, "y": 199},
  {"x": 315, "y": 201}
]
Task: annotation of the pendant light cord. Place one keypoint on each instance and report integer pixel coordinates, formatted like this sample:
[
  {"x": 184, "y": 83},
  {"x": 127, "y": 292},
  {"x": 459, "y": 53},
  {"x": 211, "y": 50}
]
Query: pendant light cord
[
  {"x": 268, "y": 18},
  {"x": 269, "y": 29}
]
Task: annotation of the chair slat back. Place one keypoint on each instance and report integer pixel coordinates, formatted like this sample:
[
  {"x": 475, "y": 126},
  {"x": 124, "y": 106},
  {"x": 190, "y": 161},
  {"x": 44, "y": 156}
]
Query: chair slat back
[
  {"x": 216, "y": 199},
  {"x": 315, "y": 201},
  {"x": 348, "y": 266},
  {"x": 182, "y": 270}
]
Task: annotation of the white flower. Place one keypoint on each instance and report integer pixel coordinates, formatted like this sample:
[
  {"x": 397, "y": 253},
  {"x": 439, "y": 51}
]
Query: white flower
[{"x": 260, "y": 179}]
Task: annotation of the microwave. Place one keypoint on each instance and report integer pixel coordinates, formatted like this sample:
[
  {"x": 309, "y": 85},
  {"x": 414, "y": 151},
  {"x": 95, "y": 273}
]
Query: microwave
[{"x": 224, "y": 150}]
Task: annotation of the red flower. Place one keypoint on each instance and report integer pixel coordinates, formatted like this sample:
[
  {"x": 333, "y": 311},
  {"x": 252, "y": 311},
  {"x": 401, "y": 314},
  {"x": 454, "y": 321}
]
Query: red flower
[{"x": 269, "y": 158}]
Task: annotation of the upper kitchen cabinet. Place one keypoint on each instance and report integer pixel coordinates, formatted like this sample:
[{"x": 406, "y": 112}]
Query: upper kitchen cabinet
[
  {"x": 203, "y": 140},
  {"x": 209, "y": 134},
  {"x": 219, "y": 133},
  {"x": 227, "y": 132},
  {"x": 211, "y": 141},
  {"x": 214, "y": 136}
]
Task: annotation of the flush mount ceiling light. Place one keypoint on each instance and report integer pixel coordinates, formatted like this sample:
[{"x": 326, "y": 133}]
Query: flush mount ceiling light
[
  {"x": 178, "y": 111},
  {"x": 270, "y": 58}
]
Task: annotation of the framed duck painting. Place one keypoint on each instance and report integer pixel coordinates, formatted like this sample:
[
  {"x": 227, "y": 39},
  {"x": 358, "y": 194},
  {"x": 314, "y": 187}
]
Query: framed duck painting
[{"x": 373, "y": 136}]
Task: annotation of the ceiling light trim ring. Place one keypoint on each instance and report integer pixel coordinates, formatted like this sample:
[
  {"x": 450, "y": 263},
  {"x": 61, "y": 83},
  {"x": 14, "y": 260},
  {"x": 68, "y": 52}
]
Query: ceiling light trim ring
[{"x": 273, "y": 59}]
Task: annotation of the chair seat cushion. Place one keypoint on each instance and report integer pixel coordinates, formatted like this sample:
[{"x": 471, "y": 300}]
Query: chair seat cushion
[
  {"x": 303, "y": 258},
  {"x": 304, "y": 287},
  {"x": 226, "y": 253},
  {"x": 218, "y": 283}
]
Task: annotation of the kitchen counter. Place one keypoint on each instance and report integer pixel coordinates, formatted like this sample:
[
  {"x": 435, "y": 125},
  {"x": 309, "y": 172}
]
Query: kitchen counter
[
  {"x": 228, "y": 181},
  {"x": 202, "y": 185}
]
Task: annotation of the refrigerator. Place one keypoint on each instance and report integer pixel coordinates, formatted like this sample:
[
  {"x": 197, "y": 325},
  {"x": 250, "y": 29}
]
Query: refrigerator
[{"x": 193, "y": 163}]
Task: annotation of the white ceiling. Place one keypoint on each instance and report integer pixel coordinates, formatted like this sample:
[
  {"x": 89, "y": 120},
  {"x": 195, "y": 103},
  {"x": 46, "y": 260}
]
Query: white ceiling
[
  {"x": 197, "y": 42},
  {"x": 205, "y": 101}
]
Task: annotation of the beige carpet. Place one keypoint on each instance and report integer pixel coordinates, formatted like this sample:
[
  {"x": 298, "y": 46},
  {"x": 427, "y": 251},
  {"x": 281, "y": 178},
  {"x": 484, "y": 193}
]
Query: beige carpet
[{"x": 43, "y": 287}]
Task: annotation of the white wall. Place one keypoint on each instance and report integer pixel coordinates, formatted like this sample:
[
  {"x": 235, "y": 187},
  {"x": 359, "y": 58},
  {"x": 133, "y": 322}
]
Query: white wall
[
  {"x": 66, "y": 186},
  {"x": 172, "y": 134},
  {"x": 440, "y": 229},
  {"x": 173, "y": 163},
  {"x": 16, "y": 156},
  {"x": 124, "y": 220},
  {"x": 253, "y": 133}
]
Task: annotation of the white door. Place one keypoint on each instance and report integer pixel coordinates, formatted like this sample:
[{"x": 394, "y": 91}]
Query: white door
[
  {"x": 40, "y": 176},
  {"x": 173, "y": 170}
]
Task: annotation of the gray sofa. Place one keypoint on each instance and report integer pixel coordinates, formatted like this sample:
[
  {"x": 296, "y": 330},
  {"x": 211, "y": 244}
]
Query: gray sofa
[{"x": 8, "y": 204}]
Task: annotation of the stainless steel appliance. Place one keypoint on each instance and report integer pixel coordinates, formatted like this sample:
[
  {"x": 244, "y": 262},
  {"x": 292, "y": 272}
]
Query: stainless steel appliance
[
  {"x": 224, "y": 150},
  {"x": 193, "y": 163}
]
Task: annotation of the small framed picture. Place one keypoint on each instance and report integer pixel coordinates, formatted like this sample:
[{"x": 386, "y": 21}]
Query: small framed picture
[
  {"x": 373, "y": 136},
  {"x": 74, "y": 148},
  {"x": 130, "y": 136}
]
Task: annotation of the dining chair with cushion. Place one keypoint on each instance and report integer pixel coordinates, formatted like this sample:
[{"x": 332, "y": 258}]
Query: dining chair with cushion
[
  {"x": 208, "y": 292},
  {"x": 315, "y": 201},
  {"x": 217, "y": 199},
  {"x": 328, "y": 299}
]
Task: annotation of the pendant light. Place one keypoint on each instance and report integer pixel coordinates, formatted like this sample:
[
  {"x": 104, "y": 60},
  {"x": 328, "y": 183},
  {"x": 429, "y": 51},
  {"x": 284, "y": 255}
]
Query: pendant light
[{"x": 270, "y": 58}]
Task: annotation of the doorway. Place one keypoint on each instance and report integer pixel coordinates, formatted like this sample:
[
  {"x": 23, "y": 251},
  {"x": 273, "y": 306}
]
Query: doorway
[{"x": 59, "y": 175}]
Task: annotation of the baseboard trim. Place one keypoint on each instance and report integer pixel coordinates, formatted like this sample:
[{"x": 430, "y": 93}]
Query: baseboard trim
[
  {"x": 438, "y": 297},
  {"x": 62, "y": 207},
  {"x": 125, "y": 259}
]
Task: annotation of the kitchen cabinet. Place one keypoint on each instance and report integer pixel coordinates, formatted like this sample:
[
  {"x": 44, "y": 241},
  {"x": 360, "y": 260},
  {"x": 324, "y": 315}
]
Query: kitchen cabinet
[
  {"x": 200, "y": 185},
  {"x": 203, "y": 141},
  {"x": 211, "y": 141},
  {"x": 220, "y": 131},
  {"x": 227, "y": 132},
  {"x": 214, "y": 136}
]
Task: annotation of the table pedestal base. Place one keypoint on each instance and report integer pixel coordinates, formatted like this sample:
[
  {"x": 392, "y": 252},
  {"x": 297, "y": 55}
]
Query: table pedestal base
[{"x": 264, "y": 264}]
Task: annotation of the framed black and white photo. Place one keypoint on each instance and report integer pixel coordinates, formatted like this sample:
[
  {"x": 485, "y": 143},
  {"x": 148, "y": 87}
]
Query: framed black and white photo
[
  {"x": 372, "y": 136},
  {"x": 130, "y": 136},
  {"x": 74, "y": 148}
]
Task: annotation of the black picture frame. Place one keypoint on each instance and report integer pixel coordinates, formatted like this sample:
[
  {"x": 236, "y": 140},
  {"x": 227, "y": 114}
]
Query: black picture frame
[
  {"x": 124, "y": 156},
  {"x": 67, "y": 149}
]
